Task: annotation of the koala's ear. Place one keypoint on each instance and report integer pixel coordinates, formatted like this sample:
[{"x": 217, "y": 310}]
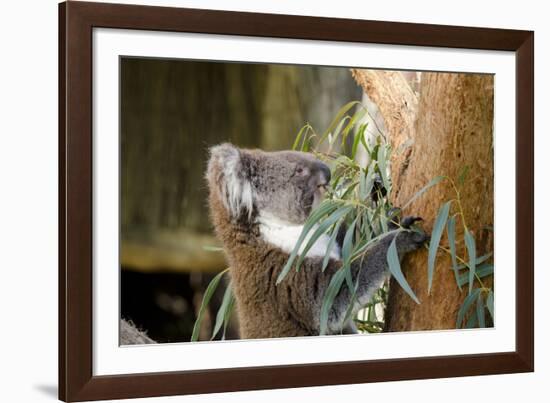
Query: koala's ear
[{"x": 227, "y": 172}]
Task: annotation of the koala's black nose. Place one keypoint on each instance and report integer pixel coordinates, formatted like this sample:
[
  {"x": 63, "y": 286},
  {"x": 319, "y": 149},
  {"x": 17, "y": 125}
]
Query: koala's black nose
[{"x": 325, "y": 170}]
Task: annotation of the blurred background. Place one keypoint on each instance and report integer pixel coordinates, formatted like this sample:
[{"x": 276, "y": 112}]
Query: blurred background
[{"x": 172, "y": 111}]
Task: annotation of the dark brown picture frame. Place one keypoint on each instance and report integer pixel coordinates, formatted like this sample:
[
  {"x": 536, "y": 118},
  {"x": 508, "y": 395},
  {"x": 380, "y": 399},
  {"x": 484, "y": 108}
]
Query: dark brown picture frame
[{"x": 76, "y": 22}]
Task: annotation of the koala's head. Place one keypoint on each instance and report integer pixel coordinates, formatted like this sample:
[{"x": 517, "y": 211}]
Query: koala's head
[{"x": 283, "y": 185}]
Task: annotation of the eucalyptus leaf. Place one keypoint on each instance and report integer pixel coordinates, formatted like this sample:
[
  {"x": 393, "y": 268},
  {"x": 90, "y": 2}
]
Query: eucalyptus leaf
[
  {"x": 364, "y": 142},
  {"x": 451, "y": 231},
  {"x": 205, "y": 301},
  {"x": 369, "y": 180},
  {"x": 481, "y": 271},
  {"x": 383, "y": 219},
  {"x": 395, "y": 269},
  {"x": 321, "y": 229},
  {"x": 301, "y": 134},
  {"x": 349, "y": 190},
  {"x": 353, "y": 298},
  {"x": 224, "y": 310},
  {"x": 479, "y": 260},
  {"x": 331, "y": 244},
  {"x": 326, "y": 207},
  {"x": 347, "y": 247},
  {"x": 471, "y": 247},
  {"x": 480, "y": 308},
  {"x": 227, "y": 317},
  {"x": 338, "y": 129},
  {"x": 358, "y": 138},
  {"x": 490, "y": 304},
  {"x": 362, "y": 183},
  {"x": 431, "y": 183},
  {"x": 435, "y": 239},
  {"x": 472, "y": 321},
  {"x": 464, "y": 308},
  {"x": 383, "y": 168},
  {"x": 360, "y": 114},
  {"x": 337, "y": 119},
  {"x": 328, "y": 299}
]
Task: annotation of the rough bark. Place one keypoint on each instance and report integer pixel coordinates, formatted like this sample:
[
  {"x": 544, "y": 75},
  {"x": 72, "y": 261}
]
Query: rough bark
[
  {"x": 453, "y": 129},
  {"x": 398, "y": 104}
]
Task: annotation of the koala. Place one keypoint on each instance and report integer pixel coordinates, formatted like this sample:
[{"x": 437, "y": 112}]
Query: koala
[{"x": 258, "y": 203}]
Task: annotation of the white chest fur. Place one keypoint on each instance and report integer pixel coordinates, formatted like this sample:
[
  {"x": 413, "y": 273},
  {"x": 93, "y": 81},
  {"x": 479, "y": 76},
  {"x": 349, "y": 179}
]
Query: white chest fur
[{"x": 285, "y": 236}]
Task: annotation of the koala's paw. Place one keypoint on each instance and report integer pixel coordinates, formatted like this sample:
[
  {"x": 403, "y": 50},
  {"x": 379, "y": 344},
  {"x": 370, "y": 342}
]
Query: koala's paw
[
  {"x": 412, "y": 239},
  {"x": 410, "y": 220},
  {"x": 407, "y": 241}
]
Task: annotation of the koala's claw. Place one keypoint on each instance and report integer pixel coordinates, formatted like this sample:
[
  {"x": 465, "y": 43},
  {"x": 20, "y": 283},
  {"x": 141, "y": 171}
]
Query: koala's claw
[
  {"x": 411, "y": 240},
  {"x": 410, "y": 220}
]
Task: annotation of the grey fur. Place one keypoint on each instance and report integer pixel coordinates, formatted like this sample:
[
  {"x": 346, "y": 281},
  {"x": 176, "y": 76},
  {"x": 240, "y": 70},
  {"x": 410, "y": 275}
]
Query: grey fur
[
  {"x": 284, "y": 184},
  {"x": 130, "y": 334}
]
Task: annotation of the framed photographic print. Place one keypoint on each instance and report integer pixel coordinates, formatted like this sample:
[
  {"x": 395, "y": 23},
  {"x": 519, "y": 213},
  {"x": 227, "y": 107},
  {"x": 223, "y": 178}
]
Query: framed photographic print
[{"x": 252, "y": 201}]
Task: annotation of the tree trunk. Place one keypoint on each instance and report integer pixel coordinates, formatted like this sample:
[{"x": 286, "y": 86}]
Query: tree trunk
[{"x": 452, "y": 131}]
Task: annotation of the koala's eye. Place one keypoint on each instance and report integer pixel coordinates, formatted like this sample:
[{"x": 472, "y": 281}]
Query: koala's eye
[{"x": 301, "y": 171}]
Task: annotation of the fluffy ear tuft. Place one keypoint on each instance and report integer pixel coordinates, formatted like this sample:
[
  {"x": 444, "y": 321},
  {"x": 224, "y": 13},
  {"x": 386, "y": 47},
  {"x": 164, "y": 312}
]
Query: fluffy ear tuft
[{"x": 227, "y": 173}]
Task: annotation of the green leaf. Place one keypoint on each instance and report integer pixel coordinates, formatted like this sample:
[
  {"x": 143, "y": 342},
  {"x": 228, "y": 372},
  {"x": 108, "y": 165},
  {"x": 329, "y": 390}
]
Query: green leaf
[
  {"x": 479, "y": 260},
  {"x": 472, "y": 321},
  {"x": 224, "y": 311},
  {"x": 395, "y": 269},
  {"x": 374, "y": 152},
  {"x": 360, "y": 114},
  {"x": 481, "y": 271},
  {"x": 452, "y": 246},
  {"x": 383, "y": 219},
  {"x": 490, "y": 304},
  {"x": 468, "y": 301},
  {"x": 326, "y": 207},
  {"x": 337, "y": 119},
  {"x": 347, "y": 247},
  {"x": 306, "y": 144},
  {"x": 338, "y": 129},
  {"x": 433, "y": 182},
  {"x": 358, "y": 137},
  {"x": 228, "y": 316},
  {"x": 471, "y": 247},
  {"x": 349, "y": 190},
  {"x": 369, "y": 180},
  {"x": 336, "y": 162},
  {"x": 480, "y": 308},
  {"x": 362, "y": 246},
  {"x": 364, "y": 142},
  {"x": 362, "y": 183},
  {"x": 328, "y": 299},
  {"x": 302, "y": 133},
  {"x": 205, "y": 301},
  {"x": 331, "y": 243},
  {"x": 437, "y": 231},
  {"x": 353, "y": 298},
  {"x": 322, "y": 227},
  {"x": 382, "y": 165},
  {"x": 365, "y": 226}
]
